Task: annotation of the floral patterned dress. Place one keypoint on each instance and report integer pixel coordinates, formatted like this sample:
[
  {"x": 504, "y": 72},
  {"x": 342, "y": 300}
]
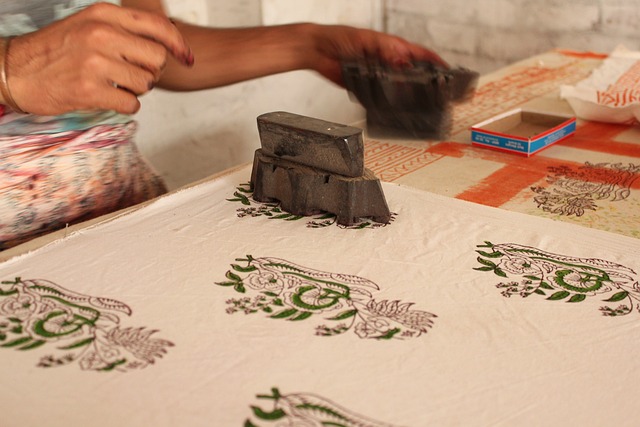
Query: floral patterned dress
[{"x": 62, "y": 170}]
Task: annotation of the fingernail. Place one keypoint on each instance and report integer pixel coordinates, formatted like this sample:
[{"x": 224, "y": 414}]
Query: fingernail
[
  {"x": 402, "y": 64},
  {"x": 190, "y": 59},
  {"x": 185, "y": 58},
  {"x": 151, "y": 85}
]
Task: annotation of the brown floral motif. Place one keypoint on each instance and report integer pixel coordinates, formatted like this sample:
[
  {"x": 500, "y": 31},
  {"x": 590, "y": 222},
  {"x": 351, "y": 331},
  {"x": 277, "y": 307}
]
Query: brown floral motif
[
  {"x": 574, "y": 192},
  {"x": 559, "y": 277},
  {"x": 35, "y": 313},
  {"x": 284, "y": 290}
]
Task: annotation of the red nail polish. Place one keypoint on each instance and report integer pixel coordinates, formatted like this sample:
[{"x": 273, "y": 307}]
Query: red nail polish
[{"x": 190, "y": 60}]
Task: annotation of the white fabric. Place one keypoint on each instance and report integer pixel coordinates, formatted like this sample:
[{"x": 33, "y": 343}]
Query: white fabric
[{"x": 485, "y": 360}]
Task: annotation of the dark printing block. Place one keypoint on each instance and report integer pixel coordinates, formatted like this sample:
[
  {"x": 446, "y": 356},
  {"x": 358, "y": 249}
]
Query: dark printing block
[
  {"x": 408, "y": 102},
  {"x": 331, "y": 147},
  {"x": 302, "y": 190},
  {"x": 312, "y": 166}
]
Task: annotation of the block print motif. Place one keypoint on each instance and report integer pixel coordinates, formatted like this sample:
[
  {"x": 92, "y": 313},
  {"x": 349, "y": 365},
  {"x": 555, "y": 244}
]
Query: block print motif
[
  {"x": 85, "y": 330},
  {"x": 625, "y": 91},
  {"x": 306, "y": 410},
  {"x": 560, "y": 278},
  {"x": 283, "y": 290},
  {"x": 573, "y": 192},
  {"x": 252, "y": 209}
]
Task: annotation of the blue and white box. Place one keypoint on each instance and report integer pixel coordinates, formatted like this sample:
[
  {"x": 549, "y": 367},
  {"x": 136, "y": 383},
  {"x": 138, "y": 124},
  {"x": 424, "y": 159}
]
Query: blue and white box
[{"x": 522, "y": 132}]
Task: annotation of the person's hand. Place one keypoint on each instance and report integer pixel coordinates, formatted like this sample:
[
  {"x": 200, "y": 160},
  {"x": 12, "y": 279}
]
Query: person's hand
[
  {"x": 337, "y": 43},
  {"x": 101, "y": 58}
]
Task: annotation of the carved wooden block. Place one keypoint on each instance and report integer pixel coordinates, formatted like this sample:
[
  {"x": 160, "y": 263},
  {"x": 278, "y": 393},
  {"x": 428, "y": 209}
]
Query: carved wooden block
[
  {"x": 414, "y": 102},
  {"x": 302, "y": 190},
  {"x": 312, "y": 166},
  {"x": 312, "y": 142}
]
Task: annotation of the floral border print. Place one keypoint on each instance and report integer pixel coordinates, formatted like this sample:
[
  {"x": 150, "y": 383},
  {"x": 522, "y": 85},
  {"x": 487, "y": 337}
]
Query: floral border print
[
  {"x": 85, "y": 330},
  {"x": 575, "y": 191},
  {"x": 560, "y": 278},
  {"x": 306, "y": 409},
  {"x": 252, "y": 209},
  {"x": 283, "y": 290}
]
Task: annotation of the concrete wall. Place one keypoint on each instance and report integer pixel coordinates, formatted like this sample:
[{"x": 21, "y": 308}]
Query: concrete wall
[{"x": 488, "y": 34}]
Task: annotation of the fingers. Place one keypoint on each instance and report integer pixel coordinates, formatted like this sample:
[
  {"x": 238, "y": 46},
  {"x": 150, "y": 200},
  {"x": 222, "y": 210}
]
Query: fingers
[
  {"x": 420, "y": 53},
  {"x": 130, "y": 78},
  {"x": 110, "y": 96},
  {"x": 116, "y": 90},
  {"x": 101, "y": 58},
  {"x": 135, "y": 45},
  {"x": 146, "y": 54},
  {"x": 401, "y": 53},
  {"x": 120, "y": 100},
  {"x": 392, "y": 50},
  {"x": 149, "y": 25},
  {"x": 116, "y": 86}
]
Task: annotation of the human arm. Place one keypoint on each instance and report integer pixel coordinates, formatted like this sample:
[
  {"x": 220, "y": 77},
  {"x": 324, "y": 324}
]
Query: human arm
[
  {"x": 229, "y": 55},
  {"x": 105, "y": 56},
  {"x": 226, "y": 56}
]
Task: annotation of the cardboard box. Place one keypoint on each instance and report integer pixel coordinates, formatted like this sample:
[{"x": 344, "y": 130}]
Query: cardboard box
[{"x": 522, "y": 132}]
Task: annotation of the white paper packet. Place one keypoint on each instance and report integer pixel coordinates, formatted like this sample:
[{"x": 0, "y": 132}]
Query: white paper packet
[{"x": 611, "y": 93}]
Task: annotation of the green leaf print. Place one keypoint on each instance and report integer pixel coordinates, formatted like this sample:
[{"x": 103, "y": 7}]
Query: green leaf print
[
  {"x": 559, "y": 295},
  {"x": 618, "y": 297},
  {"x": 533, "y": 271},
  {"x": 283, "y": 290}
]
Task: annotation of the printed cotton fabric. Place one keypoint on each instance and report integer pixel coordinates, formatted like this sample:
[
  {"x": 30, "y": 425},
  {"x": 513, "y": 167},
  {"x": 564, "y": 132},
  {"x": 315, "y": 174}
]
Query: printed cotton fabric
[{"x": 204, "y": 308}]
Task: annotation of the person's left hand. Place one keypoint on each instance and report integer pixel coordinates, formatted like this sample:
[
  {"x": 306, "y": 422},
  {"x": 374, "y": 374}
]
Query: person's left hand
[{"x": 337, "y": 43}]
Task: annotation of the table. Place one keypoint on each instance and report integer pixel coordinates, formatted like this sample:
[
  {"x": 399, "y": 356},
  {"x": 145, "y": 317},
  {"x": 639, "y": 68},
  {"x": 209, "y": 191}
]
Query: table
[
  {"x": 206, "y": 308},
  {"x": 588, "y": 179}
]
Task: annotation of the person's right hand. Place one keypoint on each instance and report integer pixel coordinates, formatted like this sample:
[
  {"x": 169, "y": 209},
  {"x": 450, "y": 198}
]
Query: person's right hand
[{"x": 101, "y": 58}]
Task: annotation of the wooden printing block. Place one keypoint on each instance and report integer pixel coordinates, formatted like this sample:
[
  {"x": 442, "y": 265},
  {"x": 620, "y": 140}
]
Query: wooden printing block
[
  {"x": 408, "y": 102},
  {"x": 331, "y": 147},
  {"x": 303, "y": 190}
]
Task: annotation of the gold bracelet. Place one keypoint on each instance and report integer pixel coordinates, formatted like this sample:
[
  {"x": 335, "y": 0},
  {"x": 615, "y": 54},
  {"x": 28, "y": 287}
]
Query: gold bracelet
[{"x": 4, "y": 84}]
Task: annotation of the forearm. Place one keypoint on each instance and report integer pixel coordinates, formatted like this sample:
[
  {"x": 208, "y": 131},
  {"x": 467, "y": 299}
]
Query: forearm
[{"x": 226, "y": 56}]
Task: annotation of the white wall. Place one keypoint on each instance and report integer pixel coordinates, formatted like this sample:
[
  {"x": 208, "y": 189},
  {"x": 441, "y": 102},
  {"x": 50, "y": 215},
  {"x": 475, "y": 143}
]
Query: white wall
[
  {"x": 488, "y": 34},
  {"x": 190, "y": 136}
]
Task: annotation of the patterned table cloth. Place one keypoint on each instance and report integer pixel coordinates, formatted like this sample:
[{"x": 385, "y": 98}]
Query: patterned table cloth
[
  {"x": 206, "y": 308},
  {"x": 591, "y": 179}
]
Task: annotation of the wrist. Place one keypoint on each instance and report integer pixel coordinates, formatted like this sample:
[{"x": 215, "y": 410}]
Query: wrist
[
  {"x": 5, "y": 91},
  {"x": 308, "y": 47}
]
